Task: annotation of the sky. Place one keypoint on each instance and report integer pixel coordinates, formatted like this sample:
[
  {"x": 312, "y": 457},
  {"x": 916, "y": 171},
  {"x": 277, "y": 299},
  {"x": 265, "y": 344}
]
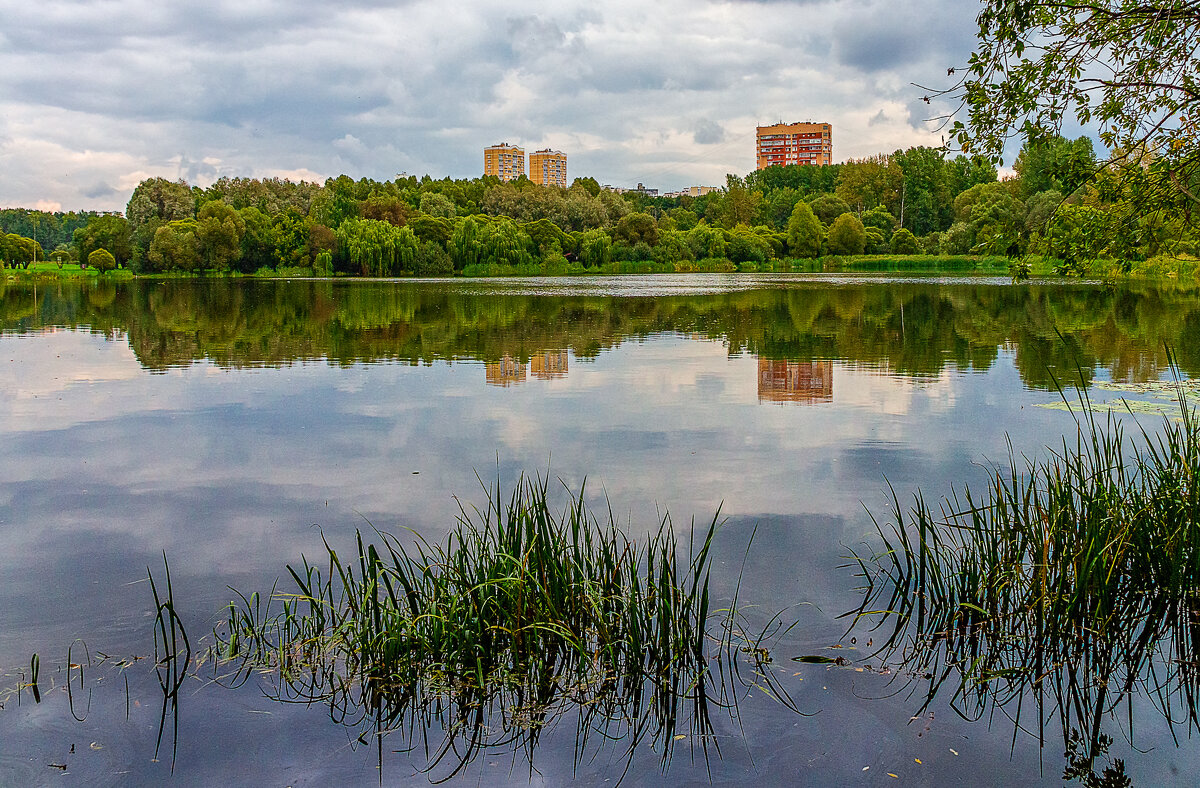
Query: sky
[{"x": 97, "y": 95}]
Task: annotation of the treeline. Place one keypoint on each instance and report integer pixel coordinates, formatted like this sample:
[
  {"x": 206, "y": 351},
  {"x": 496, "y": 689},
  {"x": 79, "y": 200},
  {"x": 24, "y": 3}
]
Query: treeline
[{"x": 1060, "y": 205}]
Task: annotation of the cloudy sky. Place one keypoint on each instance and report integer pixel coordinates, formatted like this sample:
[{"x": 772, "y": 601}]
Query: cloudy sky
[{"x": 97, "y": 95}]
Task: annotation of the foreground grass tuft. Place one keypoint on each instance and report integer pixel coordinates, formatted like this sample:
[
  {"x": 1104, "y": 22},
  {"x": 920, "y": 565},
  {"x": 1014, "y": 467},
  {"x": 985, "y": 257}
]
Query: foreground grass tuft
[
  {"x": 1071, "y": 583},
  {"x": 487, "y": 637}
]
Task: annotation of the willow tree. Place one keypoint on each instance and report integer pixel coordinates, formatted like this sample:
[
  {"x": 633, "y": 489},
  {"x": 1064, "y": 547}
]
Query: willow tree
[{"x": 377, "y": 247}]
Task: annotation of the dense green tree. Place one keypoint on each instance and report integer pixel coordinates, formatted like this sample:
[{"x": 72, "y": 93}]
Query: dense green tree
[
  {"x": 383, "y": 207},
  {"x": 159, "y": 198},
  {"x": 777, "y": 207},
  {"x": 437, "y": 204},
  {"x": 743, "y": 245},
  {"x": 175, "y": 247},
  {"x": 806, "y": 179},
  {"x": 17, "y": 250},
  {"x": 502, "y": 242},
  {"x": 958, "y": 239},
  {"x": 880, "y": 219},
  {"x": 323, "y": 263},
  {"x": 1039, "y": 208},
  {"x": 1075, "y": 234},
  {"x": 926, "y": 194},
  {"x": 589, "y": 185},
  {"x": 595, "y": 248},
  {"x": 50, "y": 229},
  {"x": 828, "y": 207},
  {"x": 963, "y": 172},
  {"x": 546, "y": 236},
  {"x": 433, "y": 260},
  {"x": 637, "y": 227},
  {"x": 101, "y": 260},
  {"x": 377, "y": 248},
  {"x": 105, "y": 231},
  {"x": 739, "y": 204},
  {"x": 219, "y": 231},
  {"x": 706, "y": 242},
  {"x": 846, "y": 235},
  {"x": 290, "y": 231},
  {"x": 464, "y": 243},
  {"x": 673, "y": 247},
  {"x": 804, "y": 232},
  {"x": 871, "y": 182},
  {"x": 258, "y": 241},
  {"x": 904, "y": 242},
  {"x": 685, "y": 219},
  {"x": 430, "y": 228},
  {"x": 1053, "y": 163}
]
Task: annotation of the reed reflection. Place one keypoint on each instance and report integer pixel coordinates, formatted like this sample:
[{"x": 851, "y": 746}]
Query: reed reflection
[
  {"x": 1064, "y": 597},
  {"x": 522, "y": 618}
]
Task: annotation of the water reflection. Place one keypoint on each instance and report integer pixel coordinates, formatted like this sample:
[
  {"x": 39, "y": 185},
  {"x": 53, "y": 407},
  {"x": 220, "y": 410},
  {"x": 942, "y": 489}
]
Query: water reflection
[
  {"x": 505, "y": 372},
  {"x": 280, "y": 406},
  {"x": 802, "y": 382},
  {"x": 1062, "y": 597},
  {"x": 907, "y": 328}
]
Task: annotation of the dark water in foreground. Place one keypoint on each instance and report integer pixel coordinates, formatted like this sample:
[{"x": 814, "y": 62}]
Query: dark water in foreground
[{"x": 231, "y": 425}]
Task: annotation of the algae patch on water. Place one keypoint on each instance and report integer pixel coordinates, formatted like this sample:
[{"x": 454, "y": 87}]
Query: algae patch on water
[{"x": 1157, "y": 397}]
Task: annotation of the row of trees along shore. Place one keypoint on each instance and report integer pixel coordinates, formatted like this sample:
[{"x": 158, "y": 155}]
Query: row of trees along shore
[{"x": 1061, "y": 205}]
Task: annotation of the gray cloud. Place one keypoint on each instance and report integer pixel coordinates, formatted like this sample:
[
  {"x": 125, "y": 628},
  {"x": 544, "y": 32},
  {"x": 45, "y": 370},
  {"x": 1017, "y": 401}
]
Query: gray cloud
[
  {"x": 708, "y": 132},
  {"x": 133, "y": 88}
]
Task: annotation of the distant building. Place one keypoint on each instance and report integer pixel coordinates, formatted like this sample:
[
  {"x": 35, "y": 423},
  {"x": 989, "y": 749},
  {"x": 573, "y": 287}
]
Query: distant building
[
  {"x": 794, "y": 143},
  {"x": 795, "y": 381},
  {"x": 548, "y": 168},
  {"x": 693, "y": 191},
  {"x": 641, "y": 189},
  {"x": 506, "y": 162}
]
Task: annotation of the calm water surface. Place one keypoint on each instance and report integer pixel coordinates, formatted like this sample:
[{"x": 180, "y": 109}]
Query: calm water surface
[{"x": 230, "y": 425}]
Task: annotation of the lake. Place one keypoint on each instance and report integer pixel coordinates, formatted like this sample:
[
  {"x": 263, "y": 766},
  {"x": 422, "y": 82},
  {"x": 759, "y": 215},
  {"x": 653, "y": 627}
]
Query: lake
[{"x": 231, "y": 426}]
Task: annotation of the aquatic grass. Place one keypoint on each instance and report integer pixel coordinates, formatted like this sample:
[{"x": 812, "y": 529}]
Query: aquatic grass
[
  {"x": 520, "y": 615},
  {"x": 1072, "y": 582}
]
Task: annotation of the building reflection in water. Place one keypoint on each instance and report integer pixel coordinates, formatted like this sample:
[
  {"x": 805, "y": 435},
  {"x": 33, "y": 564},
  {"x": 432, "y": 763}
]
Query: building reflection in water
[
  {"x": 545, "y": 365},
  {"x": 505, "y": 372},
  {"x": 549, "y": 364},
  {"x": 795, "y": 381}
]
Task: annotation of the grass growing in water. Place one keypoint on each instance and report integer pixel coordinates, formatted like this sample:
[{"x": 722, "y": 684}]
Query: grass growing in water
[
  {"x": 489, "y": 637},
  {"x": 1072, "y": 583}
]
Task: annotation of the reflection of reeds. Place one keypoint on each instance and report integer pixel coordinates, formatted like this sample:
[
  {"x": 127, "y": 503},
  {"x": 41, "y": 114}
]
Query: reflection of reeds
[
  {"x": 1074, "y": 579},
  {"x": 172, "y": 656},
  {"x": 489, "y": 637}
]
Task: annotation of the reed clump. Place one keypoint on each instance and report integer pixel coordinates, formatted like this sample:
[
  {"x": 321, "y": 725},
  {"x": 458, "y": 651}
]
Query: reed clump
[
  {"x": 1073, "y": 579},
  {"x": 487, "y": 636}
]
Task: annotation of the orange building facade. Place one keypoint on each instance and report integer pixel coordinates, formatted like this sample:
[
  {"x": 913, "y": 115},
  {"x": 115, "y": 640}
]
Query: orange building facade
[
  {"x": 506, "y": 162},
  {"x": 548, "y": 168},
  {"x": 794, "y": 143}
]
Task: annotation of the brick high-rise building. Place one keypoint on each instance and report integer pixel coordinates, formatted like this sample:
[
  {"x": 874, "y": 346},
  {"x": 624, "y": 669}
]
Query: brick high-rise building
[
  {"x": 548, "y": 168},
  {"x": 506, "y": 162},
  {"x": 795, "y": 143}
]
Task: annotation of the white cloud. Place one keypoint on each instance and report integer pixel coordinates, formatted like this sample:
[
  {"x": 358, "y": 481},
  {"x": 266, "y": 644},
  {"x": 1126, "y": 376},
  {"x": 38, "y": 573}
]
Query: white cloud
[{"x": 666, "y": 93}]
